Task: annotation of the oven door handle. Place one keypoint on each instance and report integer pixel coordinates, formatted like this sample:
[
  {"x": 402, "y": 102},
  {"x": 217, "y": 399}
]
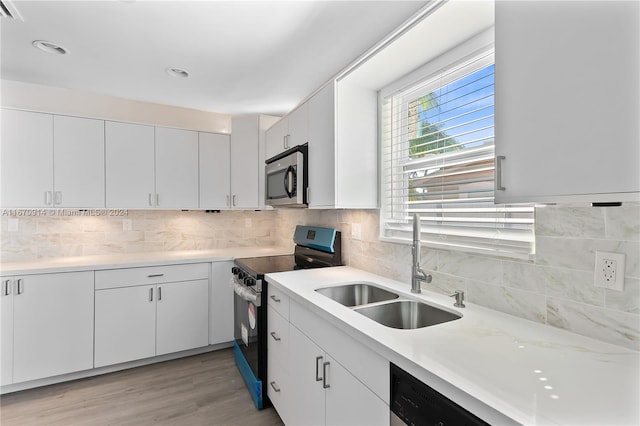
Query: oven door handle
[{"x": 246, "y": 293}]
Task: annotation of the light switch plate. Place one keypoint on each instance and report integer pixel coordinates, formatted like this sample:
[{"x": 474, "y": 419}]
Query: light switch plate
[
  {"x": 356, "y": 231},
  {"x": 609, "y": 270}
]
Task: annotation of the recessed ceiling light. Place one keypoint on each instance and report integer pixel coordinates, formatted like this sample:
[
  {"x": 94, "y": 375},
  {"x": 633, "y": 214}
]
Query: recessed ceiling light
[
  {"x": 49, "y": 47},
  {"x": 177, "y": 72}
]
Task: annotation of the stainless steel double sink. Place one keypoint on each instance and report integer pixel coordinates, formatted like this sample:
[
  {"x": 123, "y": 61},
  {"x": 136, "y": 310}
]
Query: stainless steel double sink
[{"x": 386, "y": 307}]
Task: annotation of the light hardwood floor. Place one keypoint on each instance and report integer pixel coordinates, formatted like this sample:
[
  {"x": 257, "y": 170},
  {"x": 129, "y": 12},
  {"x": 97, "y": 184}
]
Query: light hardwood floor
[{"x": 204, "y": 389}]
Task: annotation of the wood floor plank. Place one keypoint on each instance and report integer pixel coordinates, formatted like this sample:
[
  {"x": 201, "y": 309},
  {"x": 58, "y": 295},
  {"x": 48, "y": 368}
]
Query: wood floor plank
[{"x": 204, "y": 389}]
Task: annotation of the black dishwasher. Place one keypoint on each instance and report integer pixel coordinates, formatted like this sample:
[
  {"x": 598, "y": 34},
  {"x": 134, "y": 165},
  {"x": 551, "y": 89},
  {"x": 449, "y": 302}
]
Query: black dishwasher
[{"x": 414, "y": 403}]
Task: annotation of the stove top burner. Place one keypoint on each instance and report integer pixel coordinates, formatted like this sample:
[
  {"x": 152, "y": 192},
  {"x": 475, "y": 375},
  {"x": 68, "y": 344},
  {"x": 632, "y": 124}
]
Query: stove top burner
[{"x": 258, "y": 266}]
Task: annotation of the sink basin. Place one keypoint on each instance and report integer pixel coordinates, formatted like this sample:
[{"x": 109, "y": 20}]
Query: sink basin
[
  {"x": 357, "y": 294},
  {"x": 407, "y": 314}
]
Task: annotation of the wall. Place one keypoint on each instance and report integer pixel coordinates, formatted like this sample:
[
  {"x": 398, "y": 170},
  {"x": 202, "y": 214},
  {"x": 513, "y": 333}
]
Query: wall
[
  {"x": 55, "y": 100},
  {"x": 151, "y": 230},
  {"x": 556, "y": 289}
]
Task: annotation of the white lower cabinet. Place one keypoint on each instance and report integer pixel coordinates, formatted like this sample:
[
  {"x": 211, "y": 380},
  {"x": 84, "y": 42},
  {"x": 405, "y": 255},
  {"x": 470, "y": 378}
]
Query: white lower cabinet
[
  {"x": 318, "y": 375},
  {"x": 144, "y": 312},
  {"x": 125, "y": 325},
  {"x": 221, "y": 303},
  {"x": 50, "y": 312}
]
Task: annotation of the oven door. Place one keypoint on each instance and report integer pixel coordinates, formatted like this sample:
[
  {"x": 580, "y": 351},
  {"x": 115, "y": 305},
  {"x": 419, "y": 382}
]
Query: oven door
[
  {"x": 285, "y": 179},
  {"x": 249, "y": 345}
]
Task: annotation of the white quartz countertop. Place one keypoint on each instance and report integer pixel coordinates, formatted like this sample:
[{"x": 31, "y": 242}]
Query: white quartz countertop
[
  {"x": 500, "y": 367},
  {"x": 130, "y": 260}
]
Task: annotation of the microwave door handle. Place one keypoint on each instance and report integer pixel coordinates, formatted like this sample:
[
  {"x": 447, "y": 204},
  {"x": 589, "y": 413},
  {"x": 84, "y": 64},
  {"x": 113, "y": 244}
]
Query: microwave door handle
[{"x": 288, "y": 181}]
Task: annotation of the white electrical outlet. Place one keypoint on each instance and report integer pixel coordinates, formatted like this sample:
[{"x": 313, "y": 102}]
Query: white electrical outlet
[
  {"x": 609, "y": 270},
  {"x": 356, "y": 231},
  {"x": 127, "y": 224}
]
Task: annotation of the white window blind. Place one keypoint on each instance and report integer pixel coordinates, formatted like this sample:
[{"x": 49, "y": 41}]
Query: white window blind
[{"x": 438, "y": 161}]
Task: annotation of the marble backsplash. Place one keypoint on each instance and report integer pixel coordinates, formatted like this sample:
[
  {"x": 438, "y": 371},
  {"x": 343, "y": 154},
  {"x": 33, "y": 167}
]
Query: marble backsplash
[
  {"x": 60, "y": 234},
  {"x": 555, "y": 289}
]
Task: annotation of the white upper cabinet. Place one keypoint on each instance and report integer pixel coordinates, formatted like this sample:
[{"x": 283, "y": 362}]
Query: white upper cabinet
[
  {"x": 247, "y": 160},
  {"x": 343, "y": 151},
  {"x": 567, "y": 104},
  {"x": 130, "y": 169},
  {"x": 290, "y": 131},
  {"x": 176, "y": 158},
  {"x": 215, "y": 170},
  {"x": 298, "y": 126},
  {"x": 276, "y": 138},
  {"x": 78, "y": 162},
  {"x": 149, "y": 167},
  {"x": 51, "y": 160},
  {"x": 27, "y": 159}
]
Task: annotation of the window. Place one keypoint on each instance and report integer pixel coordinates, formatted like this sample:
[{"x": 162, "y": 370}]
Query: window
[{"x": 438, "y": 161}]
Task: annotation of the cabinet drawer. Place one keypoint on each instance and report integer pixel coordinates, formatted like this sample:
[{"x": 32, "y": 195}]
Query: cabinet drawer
[
  {"x": 278, "y": 390},
  {"x": 126, "y": 277},
  {"x": 279, "y": 301},
  {"x": 277, "y": 338}
]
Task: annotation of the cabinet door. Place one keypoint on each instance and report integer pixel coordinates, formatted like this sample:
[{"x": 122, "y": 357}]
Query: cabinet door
[
  {"x": 275, "y": 138},
  {"x": 125, "y": 324},
  {"x": 298, "y": 126},
  {"x": 214, "y": 156},
  {"x": 53, "y": 325},
  {"x": 322, "y": 174},
  {"x": 129, "y": 165},
  {"x": 6, "y": 316},
  {"x": 307, "y": 394},
  {"x": 78, "y": 162},
  {"x": 182, "y": 316},
  {"x": 245, "y": 163},
  {"x": 566, "y": 101},
  {"x": 176, "y": 168},
  {"x": 221, "y": 304},
  {"x": 349, "y": 402},
  {"x": 27, "y": 159}
]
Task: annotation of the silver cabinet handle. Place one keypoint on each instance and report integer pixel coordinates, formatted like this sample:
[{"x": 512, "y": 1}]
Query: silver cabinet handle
[
  {"x": 159, "y": 294},
  {"x": 318, "y": 378},
  {"x": 155, "y": 275},
  {"x": 48, "y": 198},
  {"x": 275, "y": 336},
  {"x": 151, "y": 294},
  {"x": 274, "y": 298},
  {"x": 57, "y": 199},
  {"x": 285, "y": 141},
  {"x": 157, "y": 200},
  {"x": 325, "y": 382},
  {"x": 308, "y": 195},
  {"x": 19, "y": 286},
  {"x": 499, "y": 160},
  {"x": 6, "y": 290},
  {"x": 150, "y": 200},
  {"x": 233, "y": 200},
  {"x": 274, "y": 386}
]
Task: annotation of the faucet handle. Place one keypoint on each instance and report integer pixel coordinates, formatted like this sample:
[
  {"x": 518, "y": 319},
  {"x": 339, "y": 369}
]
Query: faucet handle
[{"x": 459, "y": 295}]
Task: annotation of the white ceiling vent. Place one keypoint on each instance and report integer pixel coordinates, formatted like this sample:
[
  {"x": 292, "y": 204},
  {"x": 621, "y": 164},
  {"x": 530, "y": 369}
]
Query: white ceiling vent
[{"x": 8, "y": 10}]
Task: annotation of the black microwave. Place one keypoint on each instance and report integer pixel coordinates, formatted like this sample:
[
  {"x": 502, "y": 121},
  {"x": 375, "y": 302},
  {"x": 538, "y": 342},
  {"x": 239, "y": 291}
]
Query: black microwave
[{"x": 286, "y": 178}]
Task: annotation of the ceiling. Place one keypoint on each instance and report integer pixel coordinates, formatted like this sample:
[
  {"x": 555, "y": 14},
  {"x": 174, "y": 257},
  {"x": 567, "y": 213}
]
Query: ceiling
[{"x": 242, "y": 56}]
